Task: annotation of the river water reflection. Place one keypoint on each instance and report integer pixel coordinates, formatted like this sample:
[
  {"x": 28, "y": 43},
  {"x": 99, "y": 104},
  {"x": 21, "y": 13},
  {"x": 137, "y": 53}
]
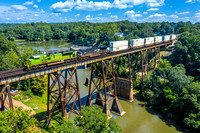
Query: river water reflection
[
  {"x": 47, "y": 45},
  {"x": 137, "y": 119}
]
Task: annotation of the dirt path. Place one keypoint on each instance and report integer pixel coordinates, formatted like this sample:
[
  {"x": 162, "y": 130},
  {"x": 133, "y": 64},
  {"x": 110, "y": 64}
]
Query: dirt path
[{"x": 25, "y": 107}]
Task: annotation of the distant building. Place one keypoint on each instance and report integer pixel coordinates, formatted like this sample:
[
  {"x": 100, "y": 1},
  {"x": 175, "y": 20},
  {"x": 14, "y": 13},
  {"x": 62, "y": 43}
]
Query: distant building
[{"x": 120, "y": 34}]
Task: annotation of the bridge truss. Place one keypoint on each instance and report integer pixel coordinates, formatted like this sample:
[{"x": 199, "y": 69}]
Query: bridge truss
[{"x": 63, "y": 97}]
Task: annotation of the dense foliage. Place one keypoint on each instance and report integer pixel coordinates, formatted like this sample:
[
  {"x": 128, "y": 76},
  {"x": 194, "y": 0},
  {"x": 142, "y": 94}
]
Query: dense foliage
[
  {"x": 174, "y": 93},
  {"x": 17, "y": 121},
  {"x": 92, "y": 120},
  {"x": 12, "y": 56},
  {"x": 187, "y": 51},
  {"x": 86, "y": 33}
]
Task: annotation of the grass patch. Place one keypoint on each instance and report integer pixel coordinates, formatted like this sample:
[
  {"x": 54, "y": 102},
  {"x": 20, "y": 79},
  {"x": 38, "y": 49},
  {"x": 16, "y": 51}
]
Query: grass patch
[
  {"x": 20, "y": 40},
  {"x": 33, "y": 101},
  {"x": 162, "y": 53}
]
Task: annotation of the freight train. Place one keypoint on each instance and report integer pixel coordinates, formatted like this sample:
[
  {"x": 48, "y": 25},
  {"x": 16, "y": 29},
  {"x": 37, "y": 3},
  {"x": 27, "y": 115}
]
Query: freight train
[{"x": 43, "y": 60}]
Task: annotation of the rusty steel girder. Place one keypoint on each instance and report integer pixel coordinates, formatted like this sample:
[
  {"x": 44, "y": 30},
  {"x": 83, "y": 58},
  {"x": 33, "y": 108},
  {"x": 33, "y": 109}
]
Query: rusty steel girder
[
  {"x": 63, "y": 93},
  {"x": 104, "y": 77},
  {"x": 157, "y": 56},
  {"x": 5, "y": 97}
]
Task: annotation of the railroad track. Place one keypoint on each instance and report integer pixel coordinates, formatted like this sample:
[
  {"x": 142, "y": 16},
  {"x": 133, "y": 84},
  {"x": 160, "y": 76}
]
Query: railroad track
[
  {"x": 10, "y": 71},
  {"x": 20, "y": 71}
]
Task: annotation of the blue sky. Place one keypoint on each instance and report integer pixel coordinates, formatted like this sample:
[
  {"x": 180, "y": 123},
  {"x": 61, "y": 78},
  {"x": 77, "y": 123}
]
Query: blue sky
[{"x": 52, "y": 11}]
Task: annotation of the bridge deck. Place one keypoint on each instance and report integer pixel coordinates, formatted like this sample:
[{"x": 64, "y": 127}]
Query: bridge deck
[{"x": 14, "y": 75}]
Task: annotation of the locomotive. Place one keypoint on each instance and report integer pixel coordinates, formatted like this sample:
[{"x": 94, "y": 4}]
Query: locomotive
[{"x": 43, "y": 60}]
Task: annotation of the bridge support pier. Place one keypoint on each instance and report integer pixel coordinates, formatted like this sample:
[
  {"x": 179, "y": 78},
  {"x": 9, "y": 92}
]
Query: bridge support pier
[
  {"x": 144, "y": 64},
  {"x": 157, "y": 56},
  {"x": 103, "y": 76},
  {"x": 5, "y": 97},
  {"x": 64, "y": 97}
]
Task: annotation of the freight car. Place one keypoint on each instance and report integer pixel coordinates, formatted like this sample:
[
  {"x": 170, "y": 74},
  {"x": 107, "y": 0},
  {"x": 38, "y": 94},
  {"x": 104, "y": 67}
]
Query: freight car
[
  {"x": 118, "y": 45},
  {"x": 43, "y": 60}
]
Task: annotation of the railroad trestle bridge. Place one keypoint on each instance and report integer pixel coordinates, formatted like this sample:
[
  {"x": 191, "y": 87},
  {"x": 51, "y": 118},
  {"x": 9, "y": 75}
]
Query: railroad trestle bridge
[{"x": 63, "y": 85}]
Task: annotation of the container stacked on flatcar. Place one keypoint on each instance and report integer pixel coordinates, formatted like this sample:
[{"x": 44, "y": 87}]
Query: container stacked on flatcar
[
  {"x": 118, "y": 45},
  {"x": 136, "y": 42},
  {"x": 173, "y": 37},
  {"x": 149, "y": 40},
  {"x": 166, "y": 38},
  {"x": 64, "y": 56},
  {"x": 158, "y": 39}
]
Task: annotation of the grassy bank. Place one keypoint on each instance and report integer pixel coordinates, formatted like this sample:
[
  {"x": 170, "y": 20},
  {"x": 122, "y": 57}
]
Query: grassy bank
[{"x": 34, "y": 101}]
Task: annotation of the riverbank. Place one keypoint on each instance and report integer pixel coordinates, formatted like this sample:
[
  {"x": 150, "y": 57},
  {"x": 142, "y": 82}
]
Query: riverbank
[{"x": 46, "y": 45}]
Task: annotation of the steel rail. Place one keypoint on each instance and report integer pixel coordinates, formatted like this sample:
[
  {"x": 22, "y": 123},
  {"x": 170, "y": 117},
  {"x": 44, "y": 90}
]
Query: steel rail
[{"x": 20, "y": 72}]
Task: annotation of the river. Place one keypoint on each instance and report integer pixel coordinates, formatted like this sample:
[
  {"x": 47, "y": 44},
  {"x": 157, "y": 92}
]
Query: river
[
  {"x": 136, "y": 120},
  {"x": 46, "y": 45}
]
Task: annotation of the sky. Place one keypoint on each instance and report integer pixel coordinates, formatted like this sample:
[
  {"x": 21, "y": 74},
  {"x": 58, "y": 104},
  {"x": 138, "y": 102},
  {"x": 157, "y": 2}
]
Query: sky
[{"x": 60, "y": 11}]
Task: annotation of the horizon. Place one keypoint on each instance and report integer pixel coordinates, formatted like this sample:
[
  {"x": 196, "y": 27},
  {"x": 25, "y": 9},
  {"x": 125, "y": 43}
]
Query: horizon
[
  {"x": 100, "y": 22},
  {"x": 99, "y": 11}
]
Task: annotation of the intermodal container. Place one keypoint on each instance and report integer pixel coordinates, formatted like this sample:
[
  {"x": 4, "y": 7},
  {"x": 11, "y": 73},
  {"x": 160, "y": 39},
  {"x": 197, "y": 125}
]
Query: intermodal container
[
  {"x": 117, "y": 48},
  {"x": 149, "y": 40},
  {"x": 115, "y": 44},
  {"x": 173, "y": 36},
  {"x": 166, "y": 38},
  {"x": 158, "y": 39},
  {"x": 136, "y": 42}
]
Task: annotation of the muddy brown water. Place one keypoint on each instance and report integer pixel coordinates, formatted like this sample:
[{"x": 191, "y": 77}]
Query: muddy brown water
[{"x": 137, "y": 119}]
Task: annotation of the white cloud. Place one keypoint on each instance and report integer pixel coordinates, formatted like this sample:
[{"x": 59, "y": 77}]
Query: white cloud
[
  {"x": 18, "y": 7},
  {"x": 119, "y": 4},
  {"x": 77, "y": 15},
  {"x": 90, "y": 18},
  {"x": 35, "y": 6},
  {"x": 100, "y": 14},
  {"x": 28, "y": 3},
  {"x": 55, "y": 14},
  {"x": 173, "y": 16},
  {"x": 8, "y": 19},
  {"x": 150, "y": 3},
  {"x": 113, "y": 17},
  {"x": 157, "y": 15},
  {"x": 92, "y": 6},
  {"x": 104, "y": 5},
  {"x": 153, "y": 9},
  {"x": 145, "y": 12},
  {"x": 182, "y": 13},
  {"x": 38, "y": 0},
  {"x": 192, "y": 1},
  {"x": 188, "y": 1},
  {"x": 131, "y": 14},
  {"x": 36, "y": 15},
  {"x": 42, "y": 11},
  {"x": 197, "y": 15},
  {"x": 80, "y": 5},
  {"x": 63, "y": 7}
]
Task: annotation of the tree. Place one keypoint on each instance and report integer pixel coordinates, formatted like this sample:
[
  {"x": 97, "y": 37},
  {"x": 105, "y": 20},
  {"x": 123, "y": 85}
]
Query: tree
[
  {"x": 69, "y": 126},
  {"x": 187, "y": 53},
  {"x": 39, "y": 85},
  {"x": 94, "y": 120},
  {"x": 191, "y": 98},
  {"x": 17, "y": 120}
]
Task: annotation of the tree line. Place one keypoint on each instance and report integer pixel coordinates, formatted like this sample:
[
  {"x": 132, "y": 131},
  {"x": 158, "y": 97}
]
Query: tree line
[{"x": 86, "y": 33}]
